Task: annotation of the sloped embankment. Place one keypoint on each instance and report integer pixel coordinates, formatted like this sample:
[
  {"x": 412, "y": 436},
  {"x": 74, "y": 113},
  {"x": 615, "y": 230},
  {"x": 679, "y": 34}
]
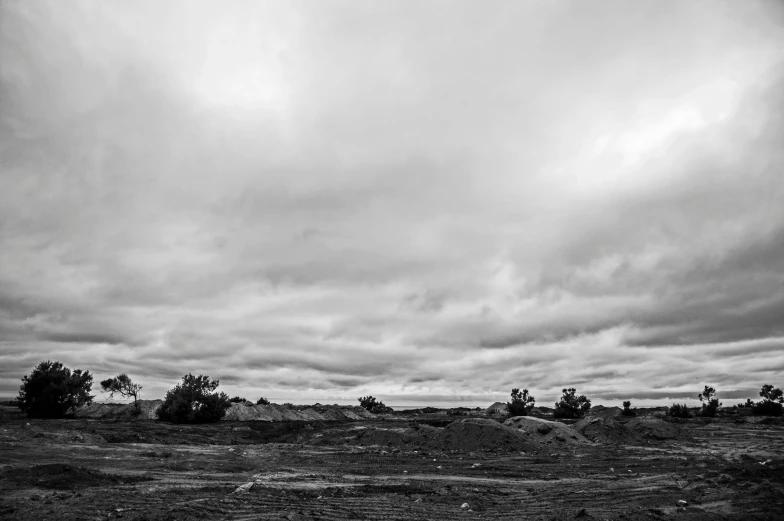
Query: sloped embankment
[
  {"x": 273, "y": 412},
  {"x": 119, "y": 411},
  {"x": 237, "y": 412}
]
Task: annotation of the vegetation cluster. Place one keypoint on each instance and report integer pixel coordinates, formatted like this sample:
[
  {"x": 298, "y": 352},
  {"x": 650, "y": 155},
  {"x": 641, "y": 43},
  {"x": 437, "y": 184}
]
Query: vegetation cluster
[{"x": 52, "y": 390}]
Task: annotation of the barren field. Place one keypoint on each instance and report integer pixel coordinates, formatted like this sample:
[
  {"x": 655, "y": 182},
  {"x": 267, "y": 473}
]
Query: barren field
[{"x": 399, "y": 467}]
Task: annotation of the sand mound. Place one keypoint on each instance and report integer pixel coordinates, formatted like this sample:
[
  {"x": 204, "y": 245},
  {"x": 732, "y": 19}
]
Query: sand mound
[
  {"x": 481, "y": 434},
  {"x": 497, "y": 408},
  {"x": 396, "y": 438},
  {"x": 118, "y": 411},
  {"x": 650, "y": 427},
  {"x": 605, "y": 412},
  {"x": 545, "y": 431},
  {"x": 272, "y": 412},
  {"x": 605, "y": 430},
  {"x": 237, "y": 412}
]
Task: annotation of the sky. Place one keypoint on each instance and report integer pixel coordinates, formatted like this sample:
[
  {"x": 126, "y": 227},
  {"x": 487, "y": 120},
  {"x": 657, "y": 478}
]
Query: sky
[{"x": 431, "y": 202}]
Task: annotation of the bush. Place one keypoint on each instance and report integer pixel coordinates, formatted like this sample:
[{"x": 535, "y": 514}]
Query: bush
[
  {"x": 122, "y": 385},
  {"x": 194, "y": 401},
  {"x": 237, "y": 399},
  {"x": 571, "y": 406},
  {"x": 371, "y": 404},
  {"x": 627, "y": 410},
  {"x": 710, "y": 404},
  {"x": 771, "y": 403},
  {"x": 262, "y": 401},
  {"x": 52, "y": 390},
  {"x": 765, "y": 408},
  {"x": 679, "y": 411},
  {"x": 521, "y": 403}
]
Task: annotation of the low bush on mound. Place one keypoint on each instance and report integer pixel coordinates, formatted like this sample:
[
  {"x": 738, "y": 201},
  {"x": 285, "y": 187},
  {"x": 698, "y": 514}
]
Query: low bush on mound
[
  {"x": 375, "y": 406},
  {"x": 772, "y": 403},
  {"x": 627, "y": 409},
  {"x": 521, "y": 403},
  {"x": 710, "y": 404},
  {"x": 571, "y": 405},
  {"x": 679, "y": 411}
]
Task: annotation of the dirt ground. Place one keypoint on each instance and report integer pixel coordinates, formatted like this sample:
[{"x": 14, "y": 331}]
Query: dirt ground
[{"x": 396, "y": 468}]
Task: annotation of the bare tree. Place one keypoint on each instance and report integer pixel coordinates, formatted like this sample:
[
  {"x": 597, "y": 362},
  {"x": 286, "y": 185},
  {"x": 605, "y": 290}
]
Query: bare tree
[{"x": 124, "y": 386}]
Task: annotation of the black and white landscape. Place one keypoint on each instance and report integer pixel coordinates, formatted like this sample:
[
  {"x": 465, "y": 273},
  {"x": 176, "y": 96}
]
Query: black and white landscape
[{"x": 322, "y": 248}]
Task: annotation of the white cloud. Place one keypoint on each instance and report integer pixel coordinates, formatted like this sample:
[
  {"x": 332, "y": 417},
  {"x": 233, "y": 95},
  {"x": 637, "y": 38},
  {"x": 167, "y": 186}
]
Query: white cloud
[{"x": 425, "y": 201}]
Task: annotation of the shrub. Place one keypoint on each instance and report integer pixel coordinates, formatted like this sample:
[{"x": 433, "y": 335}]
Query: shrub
[
  {"x": 764, "y": 408},
  {"x": 771, "y": 403},
  {"x": 122, "y": 385},
  {"x": 371, "y": 404},
  {"x": 194, "y": 401},
  {"x": 52, "y": 390},
  {"x": 521, "y": 403},
  {"x": 710, "y": 404},
  {"x": 679, "y": 411},
  {"x": 627, "y": 410},
  {"x": 237, "y": 399},
  {"x": 262, "y": 401},
  {"x": 571, "y": 406}
]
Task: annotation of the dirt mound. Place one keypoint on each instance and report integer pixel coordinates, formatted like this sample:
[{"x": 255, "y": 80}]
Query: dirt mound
[
  {"x": 605, "y": 430},
  {"x": 63, "y": 477},
  {"x": 237, "y": 412},
  {"x": 605, "y": 412},
  {"x": 410, "y": 437},
  {"x": 273, "y": 412},
  {"x": 650, "y": 427},
  {"x": 119, "y": 411},
  {"x": 481, "y": 434},
  {"x": 497, "y": 408},
  {"x": 545, "y": 431}
]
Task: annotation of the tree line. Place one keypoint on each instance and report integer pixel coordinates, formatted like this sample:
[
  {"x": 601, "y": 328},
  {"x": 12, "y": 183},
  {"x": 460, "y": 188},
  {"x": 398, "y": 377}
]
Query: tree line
[{"x": 52, "y": 390}]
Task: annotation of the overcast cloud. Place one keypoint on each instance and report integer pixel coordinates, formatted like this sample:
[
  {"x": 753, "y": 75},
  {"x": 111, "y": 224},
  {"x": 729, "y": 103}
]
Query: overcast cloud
[{"x": 427, "y": 201}]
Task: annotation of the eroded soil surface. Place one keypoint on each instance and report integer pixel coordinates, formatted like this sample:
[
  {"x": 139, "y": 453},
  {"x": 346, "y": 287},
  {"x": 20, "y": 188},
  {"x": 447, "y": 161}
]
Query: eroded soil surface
[{"x": 147, "y": 470}]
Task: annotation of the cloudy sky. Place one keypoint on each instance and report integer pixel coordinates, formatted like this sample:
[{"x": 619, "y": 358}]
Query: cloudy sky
[{"x": 431, "y": 202}]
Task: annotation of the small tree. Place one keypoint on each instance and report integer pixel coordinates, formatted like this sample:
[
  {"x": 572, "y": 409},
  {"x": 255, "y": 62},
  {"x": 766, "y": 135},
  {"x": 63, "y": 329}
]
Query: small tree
[
  {"x": 237, "y": 399},
  {"x": 627, "y": 409},
  {"x": 262, "y": 401},
  {"x": 710, "y": 404},
  {"x": 194, "y": 401},
  {"x": 52, "y": 390},
  {"x": 521, "y": 403},
  {"x": 679, "y": 411},
  {"x": 122, "y": 385},
  {"x": 371, "y": 404},
  {"x": 771, "y": 403},
  {"x": 570, "y": 405}
]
